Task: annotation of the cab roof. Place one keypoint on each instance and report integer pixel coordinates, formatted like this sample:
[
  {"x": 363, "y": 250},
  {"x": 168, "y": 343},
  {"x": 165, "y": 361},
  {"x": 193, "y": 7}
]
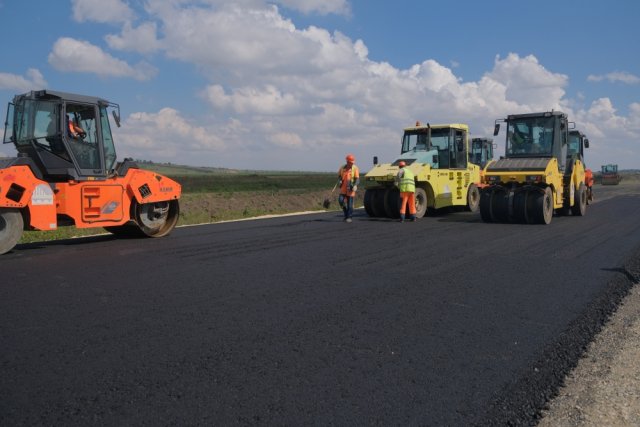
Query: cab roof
[
  {"x": 419, "y": 126},
  {"x": 62, "y": 96}
]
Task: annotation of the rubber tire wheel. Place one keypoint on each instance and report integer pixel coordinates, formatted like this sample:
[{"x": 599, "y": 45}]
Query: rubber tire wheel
[
  {"x": 11, "y": 228},
  {"x": 421, "y": 202},
  {"x": 392, "y": 203},
  {"x": 500, "y": 205},
  {"x": 485, "y": 204},
  {"x": 369, "y": 195},
  {"x": 520, "y": 208},
  {"x": 579, "y": 207},
  {"x": 377, "y": 203},
  {"x": 531, "y": 216},
  {"x": 543, "y": 203},
  {"x": 473, "y": 198}
]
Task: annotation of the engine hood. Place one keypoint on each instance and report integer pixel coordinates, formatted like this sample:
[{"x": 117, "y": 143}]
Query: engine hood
[{"x": 519, "y": 165}]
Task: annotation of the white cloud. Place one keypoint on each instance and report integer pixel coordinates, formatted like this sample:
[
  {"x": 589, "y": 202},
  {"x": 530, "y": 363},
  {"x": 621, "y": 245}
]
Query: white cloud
[
  {"x": 286, "y": 140},
  {"x": 251, "y": 100},
  {"x": 283, "y": 95},
  {"x": 616, "y": 76},
  {"x": 613, "y": 138},
  {"x": 107, "y": 11},
  {"x": 634, "y": 117},
  {"x": 141, "y": 39},
  {"x": 235, "y": 42},
  {"x": 529, "y": 83},
  {"x": 164, "y": 136},
  {"x": 72, "y": 55},
  {"x": 323, "y": 86},
  {"x": 32, "y": 81},
  {"x": 322, "y": 7}
]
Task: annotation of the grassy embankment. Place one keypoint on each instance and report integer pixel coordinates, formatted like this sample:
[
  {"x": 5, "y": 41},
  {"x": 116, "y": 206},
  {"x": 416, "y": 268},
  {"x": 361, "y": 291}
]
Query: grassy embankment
[{"x": 210, "y": 195}]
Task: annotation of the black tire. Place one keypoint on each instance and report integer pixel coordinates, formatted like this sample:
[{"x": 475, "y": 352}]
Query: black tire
[
  {"x": 11, "y": 228},
  {"x": 543, "y": 206},
  {"x": 473, "y": 198},
  {"x": 392, "y": 203},
  {"x": 531, "y": 215},
  {"x": 368, "y": 202},
  {"x": 579, "y": 207},
  {"x": 500, "y": 205},
  {"x": 520, "y": 208},
  {"x": 485, "y": 204},
  {"x": 421, "y": 202},
  {"x": 377, "y": 203}
]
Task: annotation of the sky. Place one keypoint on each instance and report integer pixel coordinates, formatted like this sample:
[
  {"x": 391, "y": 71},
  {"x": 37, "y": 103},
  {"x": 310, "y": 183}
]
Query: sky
[{"x": 298, "y": 84}]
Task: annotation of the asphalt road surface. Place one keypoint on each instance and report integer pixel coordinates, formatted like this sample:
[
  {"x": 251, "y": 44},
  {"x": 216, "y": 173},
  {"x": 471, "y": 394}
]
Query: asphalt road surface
[{"x": 306, "y": 320}]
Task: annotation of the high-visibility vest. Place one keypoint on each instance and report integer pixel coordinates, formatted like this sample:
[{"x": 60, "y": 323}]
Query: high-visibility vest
[
  {"x": 407, "y": 182},
  {"x": 355, "y": 173}
]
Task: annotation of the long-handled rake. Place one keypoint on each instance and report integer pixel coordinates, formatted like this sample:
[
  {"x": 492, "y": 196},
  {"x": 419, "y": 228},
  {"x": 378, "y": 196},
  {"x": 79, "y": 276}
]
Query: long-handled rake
[{"x": 327, "y": 201}]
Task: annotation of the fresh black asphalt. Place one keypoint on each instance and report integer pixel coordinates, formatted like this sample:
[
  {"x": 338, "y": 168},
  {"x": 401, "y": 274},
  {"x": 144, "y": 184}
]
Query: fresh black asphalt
[{"x": 306, "y": 320}]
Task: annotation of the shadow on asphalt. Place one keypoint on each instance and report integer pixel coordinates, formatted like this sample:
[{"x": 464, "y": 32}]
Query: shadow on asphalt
[{"x": 65, "y": 242}]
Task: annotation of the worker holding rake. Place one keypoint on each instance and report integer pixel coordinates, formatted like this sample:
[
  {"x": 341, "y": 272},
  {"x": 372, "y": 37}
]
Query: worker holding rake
[{"x": 348, "y": 180}]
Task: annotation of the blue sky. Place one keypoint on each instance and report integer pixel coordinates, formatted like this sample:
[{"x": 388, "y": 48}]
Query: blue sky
[{"x": 297, "y": 84}]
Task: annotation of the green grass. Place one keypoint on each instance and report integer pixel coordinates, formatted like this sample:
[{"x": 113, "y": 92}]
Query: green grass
[
  {"x": 255, "y": 182},
  {"x": 220, "y": 180}
]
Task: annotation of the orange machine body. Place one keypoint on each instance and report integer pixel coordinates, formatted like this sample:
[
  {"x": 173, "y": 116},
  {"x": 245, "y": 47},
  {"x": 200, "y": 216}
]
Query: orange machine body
[{"x": 84, "y": 204}]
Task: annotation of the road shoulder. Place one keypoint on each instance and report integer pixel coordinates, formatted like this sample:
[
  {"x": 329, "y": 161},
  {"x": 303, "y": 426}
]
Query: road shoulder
[{"x": 604, "y": 388}]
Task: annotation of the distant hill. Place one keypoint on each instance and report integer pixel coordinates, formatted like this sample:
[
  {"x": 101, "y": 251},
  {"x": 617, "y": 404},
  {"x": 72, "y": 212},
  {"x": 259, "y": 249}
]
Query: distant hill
[{"x": 171, "y": 169}]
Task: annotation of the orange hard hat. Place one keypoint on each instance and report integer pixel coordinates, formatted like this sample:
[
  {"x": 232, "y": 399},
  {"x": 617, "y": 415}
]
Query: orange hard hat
[
  {"x": 401, "y": 163},
  {"x": 350, "y": 158}
]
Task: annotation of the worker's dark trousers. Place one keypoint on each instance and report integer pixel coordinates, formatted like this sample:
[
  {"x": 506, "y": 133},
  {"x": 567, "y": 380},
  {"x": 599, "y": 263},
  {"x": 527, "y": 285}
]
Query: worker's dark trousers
[{"x": 346, "y": 203}]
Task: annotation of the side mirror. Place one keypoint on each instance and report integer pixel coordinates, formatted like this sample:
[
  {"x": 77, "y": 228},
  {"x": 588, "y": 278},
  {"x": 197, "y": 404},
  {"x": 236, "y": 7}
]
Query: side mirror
[
  {"x": 496, "y": 129},
  {"x": 375, "y": 160},
  {"x": 586, "y": 143},
  {"x": 116, "y": 117}
]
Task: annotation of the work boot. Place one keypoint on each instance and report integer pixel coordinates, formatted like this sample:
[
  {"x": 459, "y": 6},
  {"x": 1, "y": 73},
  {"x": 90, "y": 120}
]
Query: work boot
[
  {"x": 413, "y": 218},
  {"x": 401, "y": 218},
  {"x": 348, "y": 220}
]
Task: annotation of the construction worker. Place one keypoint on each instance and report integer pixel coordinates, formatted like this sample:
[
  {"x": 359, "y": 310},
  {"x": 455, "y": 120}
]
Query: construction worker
[
  {"x": 405, "y": 180},
  {"x": 348, "y": 180},
  {"x": 75, "y": 131}
]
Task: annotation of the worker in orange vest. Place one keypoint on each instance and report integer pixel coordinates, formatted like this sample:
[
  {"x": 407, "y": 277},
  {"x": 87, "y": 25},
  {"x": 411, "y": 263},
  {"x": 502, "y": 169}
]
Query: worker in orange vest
[
  {"x": 588, "y": 180},
  {"x": 348, "y": 180},
  {"x": 405, "y": 180}
]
